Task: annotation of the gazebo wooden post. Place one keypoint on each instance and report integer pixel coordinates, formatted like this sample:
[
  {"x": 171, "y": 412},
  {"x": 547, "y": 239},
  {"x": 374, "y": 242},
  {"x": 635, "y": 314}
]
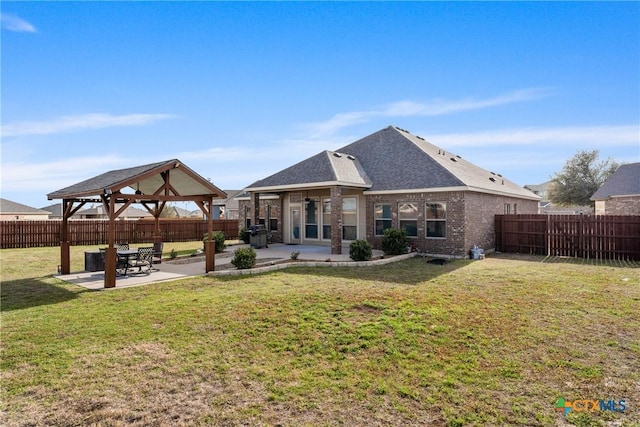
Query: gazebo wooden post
[
  {"x": 210, "y": 244},
  {"x": 157, "y": 233},
  {"x": 65, "y": 258},
  {"x": 110, "y": 256}
]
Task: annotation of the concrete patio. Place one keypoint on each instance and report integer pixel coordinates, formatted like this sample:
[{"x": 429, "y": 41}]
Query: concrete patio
[{"x": 270, "y": 258}]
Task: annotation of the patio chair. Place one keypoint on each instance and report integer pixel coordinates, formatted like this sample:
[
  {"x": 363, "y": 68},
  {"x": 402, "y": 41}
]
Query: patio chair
[
  {"x": 144, "y": 260},
  {"x": 123, "y": 264},
  {"x": 122, "y": 246},
  {"x": 157, "y": 253}
]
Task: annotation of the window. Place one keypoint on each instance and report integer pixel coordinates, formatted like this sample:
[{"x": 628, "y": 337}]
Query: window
[
  {"x": 273, "y": 222},
  {"x": 381, "y": 217},
  {"x": 349, "y": 218},
  {"x": 311, "y": 219},
  {"x": 507, "y": 208},
  {"x": 436, "y": 219},
  {"x": 408, "y": 216},
  {"x": 515, "y": 208},
  {"x": 326, "y": 219}
]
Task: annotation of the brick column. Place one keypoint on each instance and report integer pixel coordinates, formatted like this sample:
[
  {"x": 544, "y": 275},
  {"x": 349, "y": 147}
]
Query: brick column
[
  {"x": 336, "y": 220},
  {"x": 255, "y": 208}
]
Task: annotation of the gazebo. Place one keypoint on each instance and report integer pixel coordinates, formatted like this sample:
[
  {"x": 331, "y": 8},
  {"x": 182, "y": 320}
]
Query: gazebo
[{"x": 152, "y": 186}]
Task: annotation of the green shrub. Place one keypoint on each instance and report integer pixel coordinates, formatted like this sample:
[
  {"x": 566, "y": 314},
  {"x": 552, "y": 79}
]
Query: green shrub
[
  {"x": 244, "y": 258},
  {"x": 295, "y": 255},
  {"x": 360, "y": 250},
  {"x": 395, "y": 241},
  {"x": 218, "y": 237},
  {"x": 173, "y": 254}
]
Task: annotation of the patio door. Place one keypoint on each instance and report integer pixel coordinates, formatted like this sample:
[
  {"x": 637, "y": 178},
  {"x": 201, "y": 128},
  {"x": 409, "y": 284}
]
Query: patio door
[{"x": 295, "y": 225}]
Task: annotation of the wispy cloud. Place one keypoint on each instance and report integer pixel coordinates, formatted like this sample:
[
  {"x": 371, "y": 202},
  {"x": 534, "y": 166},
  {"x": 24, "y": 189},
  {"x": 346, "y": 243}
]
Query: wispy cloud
[
  {"x": 437, "y": 107},
  {"x": 78, "y": 123},
  {"x": 621, "y": 135},
  {"x": 46, "y": 177},
  {"x": 13, "y": 23}
]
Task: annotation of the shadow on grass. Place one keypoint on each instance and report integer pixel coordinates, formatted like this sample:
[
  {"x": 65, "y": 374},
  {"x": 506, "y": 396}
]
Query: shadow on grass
[
  {"x": 33, "y": 292},
  {"x": 408, "y": 272},
  {"x": 569, "y": 260}
]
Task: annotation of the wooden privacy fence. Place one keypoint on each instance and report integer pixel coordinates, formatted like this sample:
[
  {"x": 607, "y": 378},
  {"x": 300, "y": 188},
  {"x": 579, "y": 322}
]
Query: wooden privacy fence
[
  {"x": 579, "y": 236},
  {"x": 26, "y": 234}
]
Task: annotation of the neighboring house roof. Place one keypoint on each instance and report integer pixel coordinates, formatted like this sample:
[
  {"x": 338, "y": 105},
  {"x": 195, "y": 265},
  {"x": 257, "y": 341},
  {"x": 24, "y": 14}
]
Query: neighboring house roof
[
  {"x": 99, "y": 211},
  {"x": 625, "y": 181},
  {"x": 231, "y": 202},
  {"x": 11, "y": 207},
  {"x": 325, "y": 168},
  {"x": 55, "y": 209},
  {"x": 392, "y": 160},
  {"x": 539, "y": 189}
]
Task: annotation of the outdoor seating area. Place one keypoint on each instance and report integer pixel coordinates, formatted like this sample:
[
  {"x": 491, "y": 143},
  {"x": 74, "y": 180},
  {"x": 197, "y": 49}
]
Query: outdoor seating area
[
  {"x": 129, "y": 260},
  {"x": 138, "y": 273}
]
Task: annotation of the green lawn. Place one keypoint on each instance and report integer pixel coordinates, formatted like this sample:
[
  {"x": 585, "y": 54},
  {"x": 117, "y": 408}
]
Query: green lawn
[{"x": 491, "y": 342}]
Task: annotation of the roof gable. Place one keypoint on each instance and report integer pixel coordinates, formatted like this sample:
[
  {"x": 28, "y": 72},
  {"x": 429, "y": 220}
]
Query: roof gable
[
  {"x": 147, "y": 179},
  {"x": 625, "y": 181},
  {"x": 323, "y": 168}
]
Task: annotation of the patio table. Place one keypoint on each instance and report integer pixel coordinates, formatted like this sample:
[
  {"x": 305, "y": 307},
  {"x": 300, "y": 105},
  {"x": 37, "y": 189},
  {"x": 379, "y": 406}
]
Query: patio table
[{"x": 124, "y": 256}]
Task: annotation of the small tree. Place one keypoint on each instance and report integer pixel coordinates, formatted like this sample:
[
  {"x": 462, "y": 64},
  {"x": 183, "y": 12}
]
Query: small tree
[
  {"x": 581, "y": 176},
  {"x": 395, "y": 241}
]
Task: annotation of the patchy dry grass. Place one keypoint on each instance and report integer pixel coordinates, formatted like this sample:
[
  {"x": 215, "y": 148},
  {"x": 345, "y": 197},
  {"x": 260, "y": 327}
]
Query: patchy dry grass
[{"x": 493, "y": 342}]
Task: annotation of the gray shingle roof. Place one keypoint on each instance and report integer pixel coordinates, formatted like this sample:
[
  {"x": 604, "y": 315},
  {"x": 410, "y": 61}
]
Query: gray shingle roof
[
  {"x": 393, "y": 159},
  {"x": 625, "y": 181},
  {"x": 186, "y": 181},
  {"x": 325, "y": 167},
  {"x": 11, "y": 207}
]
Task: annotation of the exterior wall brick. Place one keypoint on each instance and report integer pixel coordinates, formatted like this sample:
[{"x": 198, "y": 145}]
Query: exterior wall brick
[
  {"x": 480, "y": 219},
  {"x": 451, "y": 245},
  {"x": 470, "y": 218},
  {"x": 629, "y": 205},
  {"x": 275, "y": 204}
]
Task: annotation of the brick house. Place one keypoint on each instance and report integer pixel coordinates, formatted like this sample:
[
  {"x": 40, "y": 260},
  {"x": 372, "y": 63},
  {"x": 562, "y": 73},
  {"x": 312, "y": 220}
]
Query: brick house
[
  {"x": 620, "y": 193},
  {"x": 389, "y": 179},
  {"x": 10, "y": 210}
]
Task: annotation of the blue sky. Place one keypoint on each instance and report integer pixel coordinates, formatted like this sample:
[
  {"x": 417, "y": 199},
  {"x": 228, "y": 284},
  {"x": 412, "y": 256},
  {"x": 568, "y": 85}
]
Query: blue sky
[{"x": 239, "y": 91}]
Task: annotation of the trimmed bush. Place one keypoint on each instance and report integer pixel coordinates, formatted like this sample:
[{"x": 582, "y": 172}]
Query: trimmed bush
[
  {"x": 360, "y": 250},
  {"x": 244, "y": 258},
  {"x": 218, "y": 237},
  {"x": 395, "y": 241}
]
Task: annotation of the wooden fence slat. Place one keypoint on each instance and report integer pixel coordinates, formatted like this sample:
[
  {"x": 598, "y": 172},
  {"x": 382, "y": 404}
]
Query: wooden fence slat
[
  {"x": 27, "y": 233},
  {"x": 614, "y": 237}
]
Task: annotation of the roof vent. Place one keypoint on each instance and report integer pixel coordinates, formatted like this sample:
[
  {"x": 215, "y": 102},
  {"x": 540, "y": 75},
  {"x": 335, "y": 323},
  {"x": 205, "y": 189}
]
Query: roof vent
[
  {"x": 419, "y": 137},
  {"x": 337, "y": 154},
  {"x": 459, "y": 157},
  {"x": 493, "y": 173},
  {"x": 350, "y": 157},
  {"x": 492, "y": 179},
  {"x": 453, "y": 159}
]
